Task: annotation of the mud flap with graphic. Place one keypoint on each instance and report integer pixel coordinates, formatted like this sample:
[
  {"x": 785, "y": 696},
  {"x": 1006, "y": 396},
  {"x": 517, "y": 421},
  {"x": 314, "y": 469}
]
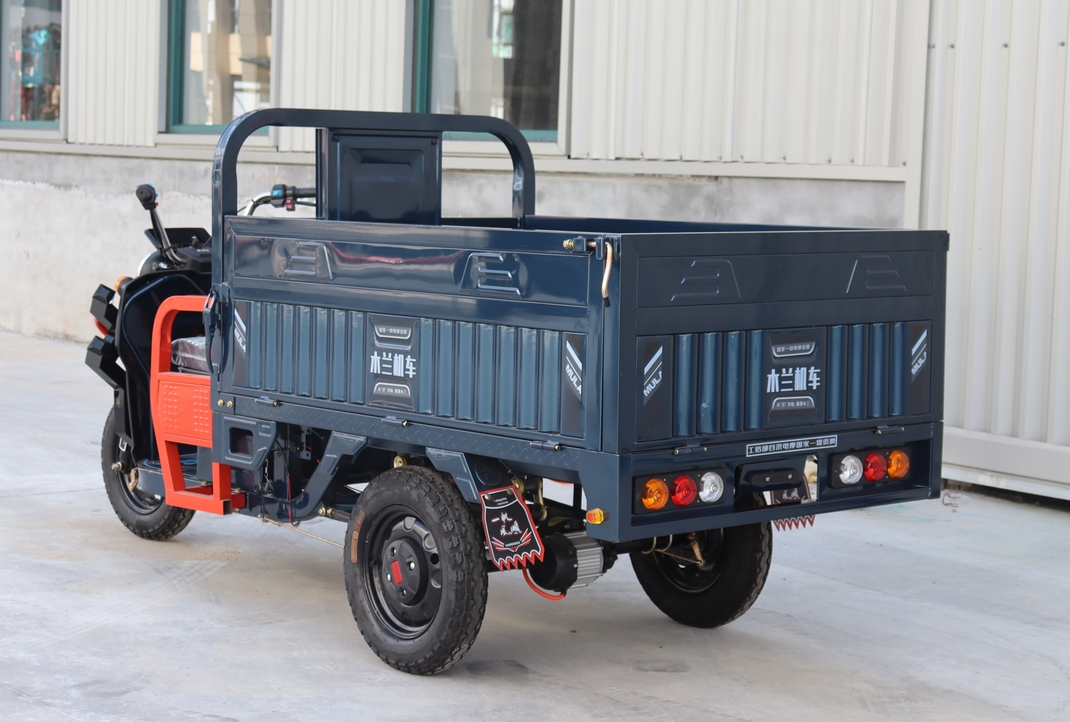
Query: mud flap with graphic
[{"x": 512, "y": 538}]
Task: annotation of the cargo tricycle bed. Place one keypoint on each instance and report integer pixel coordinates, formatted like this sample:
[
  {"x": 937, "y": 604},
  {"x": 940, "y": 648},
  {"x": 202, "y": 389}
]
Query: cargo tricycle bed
[{"x": 423, "y": 380}]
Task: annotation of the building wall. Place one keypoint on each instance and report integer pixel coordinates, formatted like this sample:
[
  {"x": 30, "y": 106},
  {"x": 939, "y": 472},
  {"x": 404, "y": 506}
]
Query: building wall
[
  {"x": 998, "y": 178},
  {"x": 945, "y": 113}
]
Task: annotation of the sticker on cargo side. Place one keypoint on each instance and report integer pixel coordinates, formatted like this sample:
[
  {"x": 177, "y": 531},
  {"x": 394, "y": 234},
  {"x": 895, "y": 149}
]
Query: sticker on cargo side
[
  {"x": 652, "y": 374},
  {"x": 766, "y": 448}
]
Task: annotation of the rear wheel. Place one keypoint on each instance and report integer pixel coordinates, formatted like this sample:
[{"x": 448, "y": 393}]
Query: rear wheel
[
  {"x": 142, "y": 513},
  {"x": 415, "y": 572},
  {"x": 735, "y": 564}
]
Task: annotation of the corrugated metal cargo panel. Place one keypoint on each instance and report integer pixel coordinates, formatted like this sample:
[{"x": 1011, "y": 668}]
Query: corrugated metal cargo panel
[
  {"x": 779, "y": 81},
  {"x": 997, "y": 177},
  {"x": 881, "y": 369},
  {"x": 342, "y": 55},
  {"x": 488, "y": 373},
  {"x": 113, "y": 48}
]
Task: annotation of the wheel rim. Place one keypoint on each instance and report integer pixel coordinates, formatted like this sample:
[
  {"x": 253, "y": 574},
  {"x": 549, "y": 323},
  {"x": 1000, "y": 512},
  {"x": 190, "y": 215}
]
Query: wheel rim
[
  {"x": 403, "y": 572},
  {"x": 693, "y": 578},
  {"x": 136, "y": 500}
]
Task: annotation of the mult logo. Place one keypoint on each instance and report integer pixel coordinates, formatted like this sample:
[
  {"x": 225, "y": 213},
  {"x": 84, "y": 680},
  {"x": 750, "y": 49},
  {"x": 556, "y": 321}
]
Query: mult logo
[
  {"x": 919, "y": 354},
  {"x": 653, "y": 374}
]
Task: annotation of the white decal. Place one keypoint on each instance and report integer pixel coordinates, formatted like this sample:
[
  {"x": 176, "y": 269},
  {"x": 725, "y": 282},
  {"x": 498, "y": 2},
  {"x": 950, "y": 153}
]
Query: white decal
[
  {"x": 652, "y": 374},
  {"x": 388, "y": 363},
  {"x": 240, "y": 332},
  {"x": 799, "y": 378},
  {"x": 574, "y": 370},
  {"x": 789, "y": 445},
  {"x": 919, "y": 354}
]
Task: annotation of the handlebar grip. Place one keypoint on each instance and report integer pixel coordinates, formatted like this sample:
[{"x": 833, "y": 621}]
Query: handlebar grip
[{"x": 146, "y": 195}]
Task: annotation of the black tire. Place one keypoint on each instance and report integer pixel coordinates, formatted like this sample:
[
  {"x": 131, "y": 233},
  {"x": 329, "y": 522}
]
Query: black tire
[
  {"x": 737, "y": 564},
  {"x": 144, "y": 514},
  {"x": 413, "y": 521}
]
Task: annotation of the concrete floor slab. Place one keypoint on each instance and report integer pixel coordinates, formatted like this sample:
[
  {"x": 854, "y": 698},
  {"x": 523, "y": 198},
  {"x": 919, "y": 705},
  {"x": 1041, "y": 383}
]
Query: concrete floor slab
[{"x": 917, "y": 611}]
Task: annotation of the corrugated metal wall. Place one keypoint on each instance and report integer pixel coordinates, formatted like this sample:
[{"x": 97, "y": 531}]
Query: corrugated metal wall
[
  {"x": 340, "y": 54},
  {"x": 767, "y": 81},
  {"x": 112, "y": 83},
  {"x": 997, "y": 176}
]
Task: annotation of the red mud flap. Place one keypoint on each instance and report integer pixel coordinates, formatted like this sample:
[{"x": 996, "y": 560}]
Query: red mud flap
[
  {"x": 795, "y": 522},
  {"x": 182, "y": 414},
  {"x": 512, "y": 538}
]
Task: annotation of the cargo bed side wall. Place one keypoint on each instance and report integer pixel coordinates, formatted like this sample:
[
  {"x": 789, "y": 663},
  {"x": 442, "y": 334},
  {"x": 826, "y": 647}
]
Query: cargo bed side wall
[{"x": 477, "y": 329}]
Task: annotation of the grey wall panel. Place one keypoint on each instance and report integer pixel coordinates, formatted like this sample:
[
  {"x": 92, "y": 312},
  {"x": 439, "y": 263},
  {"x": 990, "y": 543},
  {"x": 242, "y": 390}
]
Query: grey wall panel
[{"x": 997, "y": 176}]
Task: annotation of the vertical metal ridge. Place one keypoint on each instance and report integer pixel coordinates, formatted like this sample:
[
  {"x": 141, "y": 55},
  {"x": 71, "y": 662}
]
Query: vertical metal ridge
[
  {"x": 304, "y": 351},
  {"x": 321, "y": 359},
  {"x": 339, "y": 347},
  {"x": 897, "y": 371},
  {"x": 425, "y": 379},
  {"x": 256, "y": 345},
  {"x": 733, "y": 381},
  {"x": 286, "y": 348},
  {"x": 755, "y": 346},
  {"x": 506, "y": 376},
  {"x": 444, "y": 380},
  {"x": 271, "y": 346},
  {"x": 464, "y": 355},
  {"x": 485, "y": 377},
  {"x": 878, "y": 370},
  {"x": 528, "y": 380},
  {"x": 708, "y": 378},
  {"x": 684, "y": 385},
  {"x": 837, "y": 374},
  {"x": 356, "y": 357},
  {"x": 550, "y": 381},
  {"x": 856, "y": 372}
]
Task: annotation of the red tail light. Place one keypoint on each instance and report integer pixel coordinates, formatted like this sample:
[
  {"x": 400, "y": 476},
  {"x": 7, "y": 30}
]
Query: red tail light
[
  {"x": 684, "y": 490},
  {"x": 875, "y": 467}
]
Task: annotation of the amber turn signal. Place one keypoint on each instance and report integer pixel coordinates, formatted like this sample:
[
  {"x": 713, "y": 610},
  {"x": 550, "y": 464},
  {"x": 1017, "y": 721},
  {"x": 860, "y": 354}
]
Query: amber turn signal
[
  {"x": 898, "y": 464},
  {"x": 655, "y": 494},
  {"x": 596, "y": 516}
]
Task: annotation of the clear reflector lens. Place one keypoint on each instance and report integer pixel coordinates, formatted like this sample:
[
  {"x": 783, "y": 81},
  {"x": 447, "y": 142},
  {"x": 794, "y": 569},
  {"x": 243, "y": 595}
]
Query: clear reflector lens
[
  {"x": 898, "y": 464},
  {"x": 684, "y": 490},
  {"x": 655, "y": 494},
  {"x": 712, "y": 487},
  {"x": 876, "y": 466},
  {"x": 850, "y": 469}
]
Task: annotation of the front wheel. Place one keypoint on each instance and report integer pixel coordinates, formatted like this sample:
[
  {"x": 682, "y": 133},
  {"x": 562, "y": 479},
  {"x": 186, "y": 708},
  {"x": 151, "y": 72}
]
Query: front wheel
[
  {"x": 142, "y": 513},
  {"x": 735, "y": 564},
  {"x": 414, "y": 570}
]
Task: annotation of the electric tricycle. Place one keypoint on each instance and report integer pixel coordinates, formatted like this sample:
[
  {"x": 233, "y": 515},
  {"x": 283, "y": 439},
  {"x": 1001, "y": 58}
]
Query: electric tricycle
[{"x": 422, "y": 379}]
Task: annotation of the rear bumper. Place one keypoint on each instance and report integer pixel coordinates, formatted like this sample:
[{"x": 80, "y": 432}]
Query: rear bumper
[{"x": 614, "y": 493}]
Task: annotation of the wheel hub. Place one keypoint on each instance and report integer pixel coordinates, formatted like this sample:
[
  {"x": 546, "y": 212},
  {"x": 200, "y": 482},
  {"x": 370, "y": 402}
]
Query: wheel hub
[{"x": 407, "y": 575}]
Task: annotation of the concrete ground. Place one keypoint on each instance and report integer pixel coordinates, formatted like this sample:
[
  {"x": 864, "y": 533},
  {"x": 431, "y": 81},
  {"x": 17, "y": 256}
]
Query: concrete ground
[{"x": 930, "y": 610}]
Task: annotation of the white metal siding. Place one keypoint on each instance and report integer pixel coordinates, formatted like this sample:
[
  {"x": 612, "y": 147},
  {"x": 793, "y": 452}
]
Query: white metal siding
[
  {"x": 113, "y": 48},
  {"x": 812, "y": 82},
  {"x": 340, "y": 54},
  {"x": 997, "y": 176}
]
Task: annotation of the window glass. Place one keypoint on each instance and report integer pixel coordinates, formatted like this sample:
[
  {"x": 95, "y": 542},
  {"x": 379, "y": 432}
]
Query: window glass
[
  {"x": 497, "y": 57},
  {"x": 30, "y": 34},
  {"x": 221, "y": 55}
]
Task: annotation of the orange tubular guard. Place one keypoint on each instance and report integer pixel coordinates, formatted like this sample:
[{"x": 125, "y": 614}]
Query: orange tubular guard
[{"x": 182, "y": 414}]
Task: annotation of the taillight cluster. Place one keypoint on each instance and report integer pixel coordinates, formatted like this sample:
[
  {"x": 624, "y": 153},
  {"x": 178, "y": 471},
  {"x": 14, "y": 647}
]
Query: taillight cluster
[
  {"x": 870, "y": 466},
  {"x": 678, "y": 491}
]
